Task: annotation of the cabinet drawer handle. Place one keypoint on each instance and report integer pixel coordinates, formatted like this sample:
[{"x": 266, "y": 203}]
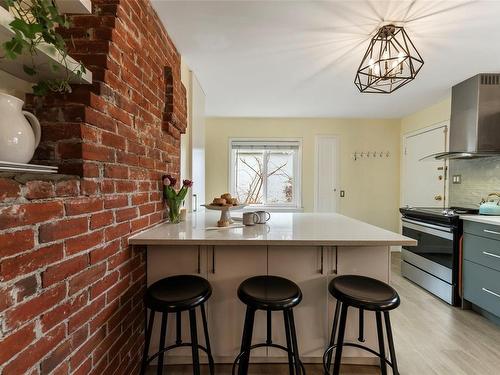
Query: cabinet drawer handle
[
  {"x": 491, "y": 231},
  {"x": 491, "y": 255},
  {"x": 321, "y": 268},
  {"x": 199, "y": 260},
  {"x": 335, "y": 270},
  {"x": 490, "y": 292},
  {"x": 213, "y": 260}
]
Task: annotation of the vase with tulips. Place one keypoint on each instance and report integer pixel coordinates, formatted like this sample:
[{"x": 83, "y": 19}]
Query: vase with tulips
[{"x": 175, "y": 198}]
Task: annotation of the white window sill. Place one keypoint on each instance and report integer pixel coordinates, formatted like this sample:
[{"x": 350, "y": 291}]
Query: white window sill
[{"x": 273, "y": 209}]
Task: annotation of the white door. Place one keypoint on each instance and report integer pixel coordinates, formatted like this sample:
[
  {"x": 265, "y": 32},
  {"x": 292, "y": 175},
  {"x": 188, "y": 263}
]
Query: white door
[
  {"x": 424, "y": 181},
  {"x": 327, "y": 174},
  {"x": 197, "y": 143}
]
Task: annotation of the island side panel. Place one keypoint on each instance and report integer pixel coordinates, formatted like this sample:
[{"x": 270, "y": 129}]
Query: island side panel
[
  {"x": 228, "y": 266},
  {"x": 164, "y": 261},
  {"x": 304, "y": 266},
  {"x": 371, "y": 261}
]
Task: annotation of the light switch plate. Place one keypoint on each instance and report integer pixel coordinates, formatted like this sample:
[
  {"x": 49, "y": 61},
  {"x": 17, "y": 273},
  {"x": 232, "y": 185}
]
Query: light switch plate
[{"x": 457, "y": 179}]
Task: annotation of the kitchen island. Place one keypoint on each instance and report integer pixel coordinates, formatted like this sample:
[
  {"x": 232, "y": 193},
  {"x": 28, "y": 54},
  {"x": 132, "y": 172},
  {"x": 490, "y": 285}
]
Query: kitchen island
[{"x": 308, "y": 248}]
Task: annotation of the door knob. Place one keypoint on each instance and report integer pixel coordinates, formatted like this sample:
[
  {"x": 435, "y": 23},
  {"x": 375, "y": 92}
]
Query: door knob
[{"x": 438, "y": 198}]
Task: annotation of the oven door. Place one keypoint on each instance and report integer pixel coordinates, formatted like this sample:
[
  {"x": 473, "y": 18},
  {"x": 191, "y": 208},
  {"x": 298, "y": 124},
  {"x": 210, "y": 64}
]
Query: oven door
[{"x": 434, "y": 252}]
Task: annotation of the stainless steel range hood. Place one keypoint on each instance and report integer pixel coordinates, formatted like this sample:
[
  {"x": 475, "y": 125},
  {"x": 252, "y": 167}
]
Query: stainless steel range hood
[{"x": 475, "y": 119}]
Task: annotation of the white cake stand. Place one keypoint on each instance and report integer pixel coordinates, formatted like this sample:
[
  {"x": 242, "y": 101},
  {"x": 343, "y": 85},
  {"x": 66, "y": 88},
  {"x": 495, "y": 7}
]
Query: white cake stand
[{"x": 225, "y": 214}]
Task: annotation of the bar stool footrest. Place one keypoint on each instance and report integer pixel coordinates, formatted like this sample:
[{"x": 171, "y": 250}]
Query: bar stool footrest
[
  {"x": 264, "y": 345},
  {"x": 330, "y": 349},
  {"x": 175, "y": 346}
]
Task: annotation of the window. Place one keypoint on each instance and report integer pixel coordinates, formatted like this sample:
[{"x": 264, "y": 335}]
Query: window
[{"x": 266, "y": 172}]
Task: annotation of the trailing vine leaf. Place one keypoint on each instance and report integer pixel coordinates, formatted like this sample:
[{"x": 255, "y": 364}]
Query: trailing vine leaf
[
  {"x": 36, "y": 22},
  {"x": 14, "y": 47},
  {"x": 41, "y": 88},
  {"x": 29, "y": 70}
]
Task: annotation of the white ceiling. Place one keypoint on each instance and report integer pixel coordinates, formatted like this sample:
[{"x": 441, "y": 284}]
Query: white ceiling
[{"x": 299, "y": 58}]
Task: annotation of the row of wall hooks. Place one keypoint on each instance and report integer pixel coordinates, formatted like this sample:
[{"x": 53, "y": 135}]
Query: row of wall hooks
[{"x": 370, "y": 155}]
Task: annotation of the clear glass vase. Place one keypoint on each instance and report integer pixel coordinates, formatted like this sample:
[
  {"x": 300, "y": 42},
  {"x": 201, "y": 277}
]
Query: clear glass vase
[{"x": 174, "y": 207}]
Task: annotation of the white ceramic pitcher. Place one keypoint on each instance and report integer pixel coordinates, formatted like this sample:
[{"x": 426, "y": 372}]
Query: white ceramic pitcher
[{"x": 19, "y": 131}]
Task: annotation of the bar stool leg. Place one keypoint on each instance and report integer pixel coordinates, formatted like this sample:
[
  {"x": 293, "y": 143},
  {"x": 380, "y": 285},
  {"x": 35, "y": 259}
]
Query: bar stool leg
[
  {"x": 147, "y": 342},
  {"x": 298, "y": 370},
  {"x": 194, "y": 342},
  {"x": 246, "y": 341},
  {"x": 390, "y": 339},
  {"x": 269, "y": 339},
  {"x": 361, "y": 336},
  {"x": 381, "y": 344},
  {"x": 178, "y": 330},
  {"x": 334, "y": 333},
  {"x": 207, "y": 340},
  {"x": 288, "y": 343},
  {"x": 163, "y": 335},
  {"x": 340, "y": 340}
]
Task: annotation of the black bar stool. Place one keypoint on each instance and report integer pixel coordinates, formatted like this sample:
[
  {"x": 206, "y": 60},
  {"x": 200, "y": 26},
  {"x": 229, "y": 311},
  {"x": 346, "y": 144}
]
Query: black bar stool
[
  {"x": 176, "y": 294},
  {"x": 363, "y": 293},
  {"x": 269, "y": 293}
]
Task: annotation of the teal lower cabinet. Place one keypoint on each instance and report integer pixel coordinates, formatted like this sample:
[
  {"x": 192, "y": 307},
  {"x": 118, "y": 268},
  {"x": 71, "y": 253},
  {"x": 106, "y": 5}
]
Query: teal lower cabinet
[
  {"x": 481, "y": 275},
  {"x": 482, "y": 287}
]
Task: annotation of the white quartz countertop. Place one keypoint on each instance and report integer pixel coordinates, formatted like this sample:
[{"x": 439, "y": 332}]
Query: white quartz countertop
[
  {"x": 485, "y": 219},
  {"x": 282, "y": 229}
]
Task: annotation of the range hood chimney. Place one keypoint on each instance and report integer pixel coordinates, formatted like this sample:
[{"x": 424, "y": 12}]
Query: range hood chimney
[{"x": 475, "y": 118}]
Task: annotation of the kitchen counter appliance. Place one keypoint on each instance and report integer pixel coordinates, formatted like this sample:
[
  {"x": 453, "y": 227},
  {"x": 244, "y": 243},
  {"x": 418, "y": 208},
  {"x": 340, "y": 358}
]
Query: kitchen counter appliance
[
  {"x": 489, "y": 206},
  {"x": 475, "y": 119},
  {"x": 434, "y": 262}
]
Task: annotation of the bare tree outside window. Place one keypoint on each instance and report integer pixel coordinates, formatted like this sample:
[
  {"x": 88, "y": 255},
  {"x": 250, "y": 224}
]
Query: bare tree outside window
[{"x": 265, "y": 177}]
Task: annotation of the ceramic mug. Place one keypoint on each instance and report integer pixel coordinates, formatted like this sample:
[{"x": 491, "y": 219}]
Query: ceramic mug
[
  {"x": 264, "y": 217},
  {"x": 250, "y": 218}
]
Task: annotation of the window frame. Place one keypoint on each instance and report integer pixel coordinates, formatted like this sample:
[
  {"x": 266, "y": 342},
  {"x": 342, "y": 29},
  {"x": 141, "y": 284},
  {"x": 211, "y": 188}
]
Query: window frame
[{"x": 296, "y": 205}]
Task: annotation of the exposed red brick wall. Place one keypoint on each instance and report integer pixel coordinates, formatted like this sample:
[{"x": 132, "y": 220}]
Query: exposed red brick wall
[{"x": 70, "y": 286}]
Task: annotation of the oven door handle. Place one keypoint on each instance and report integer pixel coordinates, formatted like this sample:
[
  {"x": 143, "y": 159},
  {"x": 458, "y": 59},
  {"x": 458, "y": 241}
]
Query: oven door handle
[
  {"x": 438, "y": 227},
  {"x": 431, "y": 229}
]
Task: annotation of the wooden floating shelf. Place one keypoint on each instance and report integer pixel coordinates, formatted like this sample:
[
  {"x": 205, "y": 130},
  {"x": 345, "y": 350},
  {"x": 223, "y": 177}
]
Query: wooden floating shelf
[
  {"x": 69, "y": 6},
  {"x": 6, "y": 166},
  {"x": 46, "y": 55},
  {"x": 74, "y": 6}
]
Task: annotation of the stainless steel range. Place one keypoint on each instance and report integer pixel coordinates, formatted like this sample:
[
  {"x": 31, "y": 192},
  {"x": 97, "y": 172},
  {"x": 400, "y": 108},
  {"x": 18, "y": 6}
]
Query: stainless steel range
[{"x": 434, "y": 262}]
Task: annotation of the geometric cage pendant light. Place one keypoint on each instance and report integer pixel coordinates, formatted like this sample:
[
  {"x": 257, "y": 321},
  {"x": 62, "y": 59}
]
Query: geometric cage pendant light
[{"x": 390, "y": 62}]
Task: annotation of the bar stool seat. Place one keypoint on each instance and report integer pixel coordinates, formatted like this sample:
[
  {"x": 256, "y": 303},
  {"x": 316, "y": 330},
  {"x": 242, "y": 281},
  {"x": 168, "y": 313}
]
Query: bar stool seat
[
  {"x": 177, "y": 293},
  {"x": 364, "y": 293},
  {"x": 269, "y": 293}
]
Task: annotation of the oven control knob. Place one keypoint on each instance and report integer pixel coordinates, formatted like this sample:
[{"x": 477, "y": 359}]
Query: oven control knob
[{"x": 438, "y": 197}]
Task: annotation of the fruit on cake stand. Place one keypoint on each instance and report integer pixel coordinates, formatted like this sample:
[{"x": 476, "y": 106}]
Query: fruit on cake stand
[{"x": 225, "y": 204}]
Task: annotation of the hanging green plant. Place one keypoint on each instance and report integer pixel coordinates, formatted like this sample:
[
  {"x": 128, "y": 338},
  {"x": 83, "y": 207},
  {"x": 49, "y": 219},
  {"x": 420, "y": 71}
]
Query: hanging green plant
[{"x": 36, "y": 22}]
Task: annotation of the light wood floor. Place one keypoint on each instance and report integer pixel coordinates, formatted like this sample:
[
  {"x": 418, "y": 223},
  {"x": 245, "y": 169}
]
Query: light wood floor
[{"x": 431, "y": 337}]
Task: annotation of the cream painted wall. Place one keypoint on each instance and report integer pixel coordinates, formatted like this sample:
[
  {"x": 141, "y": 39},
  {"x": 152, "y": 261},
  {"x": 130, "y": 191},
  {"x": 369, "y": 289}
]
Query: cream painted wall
[
  {"x": 371, "y": 185},
  {"x": 434, "y": 114}
]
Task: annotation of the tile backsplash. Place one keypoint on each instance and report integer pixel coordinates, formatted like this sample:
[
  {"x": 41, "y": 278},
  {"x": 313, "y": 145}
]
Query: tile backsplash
[{"x": 479, "y": 178}]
